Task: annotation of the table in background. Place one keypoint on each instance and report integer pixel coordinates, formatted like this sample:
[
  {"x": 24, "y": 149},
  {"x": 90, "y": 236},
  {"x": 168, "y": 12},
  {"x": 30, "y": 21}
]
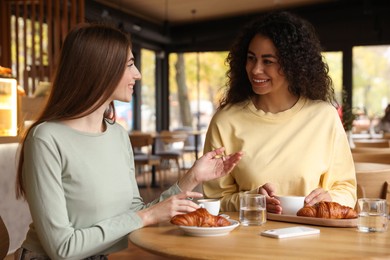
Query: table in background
[
  {"x": 197, "y": 134},
  {"x": 246, "y": 243},
  {"x": 371, "y": 167},
  {"x": 367, "y": 136},
  {"x": 374, "y": 142}
]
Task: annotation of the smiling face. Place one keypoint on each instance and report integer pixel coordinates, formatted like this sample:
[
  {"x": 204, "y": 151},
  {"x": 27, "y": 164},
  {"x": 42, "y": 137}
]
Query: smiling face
[
  {"x": 125, "y": 88},
  {"x": 263, "y": 69}
]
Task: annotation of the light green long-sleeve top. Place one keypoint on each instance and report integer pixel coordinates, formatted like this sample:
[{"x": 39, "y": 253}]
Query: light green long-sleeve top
[
  {"x": 297, "y": 150},
  {"x": 81, "y": 190}
]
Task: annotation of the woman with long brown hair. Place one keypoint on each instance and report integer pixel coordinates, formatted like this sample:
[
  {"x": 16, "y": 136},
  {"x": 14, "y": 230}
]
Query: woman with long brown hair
[{"x": 76, "y": 167}]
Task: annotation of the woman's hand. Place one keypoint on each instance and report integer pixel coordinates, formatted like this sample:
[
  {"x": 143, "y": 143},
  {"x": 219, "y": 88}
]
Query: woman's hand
[
  {"x": 210, "y": 166},
  {"x": 165, "y": 210},
  {"x": 273, "y": 205},
  {"x": 214, "y": 165},
  {"x": 317, "y": 195}
]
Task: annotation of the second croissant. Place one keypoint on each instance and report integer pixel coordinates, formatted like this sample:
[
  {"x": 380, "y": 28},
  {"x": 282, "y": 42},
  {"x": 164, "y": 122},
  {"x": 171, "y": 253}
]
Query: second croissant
[{"x": 325, "y": 209}]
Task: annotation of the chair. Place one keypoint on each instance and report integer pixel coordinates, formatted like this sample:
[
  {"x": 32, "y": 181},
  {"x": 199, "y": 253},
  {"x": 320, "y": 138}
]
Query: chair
[
  {"x": 372, "y": 157},
  {"x": 193, "y": 144},
  {"x": 386, "y": 135},
  {"x": 372, "y": 184},
  {"x": 171, "y": 148},
  {"x": 4, "y": 240},
  {"x": 143, "y": 158}
]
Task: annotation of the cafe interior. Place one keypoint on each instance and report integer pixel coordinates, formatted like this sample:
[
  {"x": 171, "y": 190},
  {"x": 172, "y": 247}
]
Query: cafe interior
[{"x": 162, "y": 32}]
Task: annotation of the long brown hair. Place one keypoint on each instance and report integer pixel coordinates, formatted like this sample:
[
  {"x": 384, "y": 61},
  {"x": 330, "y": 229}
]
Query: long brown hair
[{"x": 92, "y": 62}]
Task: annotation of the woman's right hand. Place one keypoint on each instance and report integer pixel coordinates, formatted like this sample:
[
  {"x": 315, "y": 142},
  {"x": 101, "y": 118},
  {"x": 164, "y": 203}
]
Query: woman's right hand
[
  {"x": 273, "y": 205},
  {"x": 165, "y": 210},
  {"x": 210, "y": 166}
]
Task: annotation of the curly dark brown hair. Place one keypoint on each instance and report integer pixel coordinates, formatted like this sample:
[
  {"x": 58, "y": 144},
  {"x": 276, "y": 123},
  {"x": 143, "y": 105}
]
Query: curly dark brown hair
[{"x": 299, "y": 55}]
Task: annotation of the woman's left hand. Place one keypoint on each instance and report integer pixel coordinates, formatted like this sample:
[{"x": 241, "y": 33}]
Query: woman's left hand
[
  {"x": 316, "y": 196},
  {"x": 165, "y": 210},
  {"x": 273, "y": 204}
]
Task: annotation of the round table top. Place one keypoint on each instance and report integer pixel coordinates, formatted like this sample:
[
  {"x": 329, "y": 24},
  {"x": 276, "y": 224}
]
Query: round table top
[{"x": 247, "y": 243}]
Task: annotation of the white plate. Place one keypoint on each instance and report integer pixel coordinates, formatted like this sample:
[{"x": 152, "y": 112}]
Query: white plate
[
  {"x": 224, "y": 215},
  {"x": 210, "y": 231}
]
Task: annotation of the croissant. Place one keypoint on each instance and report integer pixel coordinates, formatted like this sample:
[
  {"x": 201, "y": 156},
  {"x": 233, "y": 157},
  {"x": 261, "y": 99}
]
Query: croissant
[
  {"x": 325, "y": 209},
  {"x": 200, "y": 218}
]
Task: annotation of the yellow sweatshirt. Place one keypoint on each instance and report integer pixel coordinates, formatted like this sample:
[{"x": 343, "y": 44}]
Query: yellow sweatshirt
[{"x": 298, "y": 150}]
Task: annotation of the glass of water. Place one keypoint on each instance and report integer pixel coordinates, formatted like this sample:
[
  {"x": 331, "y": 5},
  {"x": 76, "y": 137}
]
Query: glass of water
[
  {"x": 372, "y": 215},
  {"x": 252, "y": 209}
]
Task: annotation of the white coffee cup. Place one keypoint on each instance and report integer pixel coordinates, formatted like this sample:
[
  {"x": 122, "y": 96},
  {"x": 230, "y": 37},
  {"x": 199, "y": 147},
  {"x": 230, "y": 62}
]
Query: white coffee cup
[
  {"x": 212, "y": 205},
  {"x": 291, "y": 204}
]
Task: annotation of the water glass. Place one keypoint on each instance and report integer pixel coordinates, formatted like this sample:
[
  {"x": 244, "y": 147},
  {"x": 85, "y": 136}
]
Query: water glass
[
  {"x": 252, "y": 209},
  {"x": 372, "y": 215}
]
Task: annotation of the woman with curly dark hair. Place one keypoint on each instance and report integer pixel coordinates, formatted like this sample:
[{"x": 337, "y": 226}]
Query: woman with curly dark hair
[{"x": 279, "y": 109}]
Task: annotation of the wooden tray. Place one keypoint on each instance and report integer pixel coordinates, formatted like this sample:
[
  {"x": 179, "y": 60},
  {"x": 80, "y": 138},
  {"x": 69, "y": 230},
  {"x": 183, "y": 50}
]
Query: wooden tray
[{"x": 314, "y": 221}]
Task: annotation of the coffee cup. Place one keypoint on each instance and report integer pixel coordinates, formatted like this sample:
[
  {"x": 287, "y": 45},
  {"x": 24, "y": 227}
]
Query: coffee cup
[
  {"x": 291, "y": 204},
  {"x": 212, "y": 205}
]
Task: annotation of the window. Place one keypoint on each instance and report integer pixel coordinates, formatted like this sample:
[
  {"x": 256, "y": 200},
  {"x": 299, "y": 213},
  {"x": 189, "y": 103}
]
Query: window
[
  {"x": 371, "y": 79},
  {"x": 124, "y": 114},
  {"x": 196, "y": 81},
  {"x": 28, "y": 47},
  {"x": 148, "y": 90}
]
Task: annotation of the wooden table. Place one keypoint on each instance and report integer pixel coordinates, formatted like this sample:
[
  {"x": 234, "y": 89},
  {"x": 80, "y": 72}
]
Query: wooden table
[
  {"x": 246, "y": 243},
  {"x": 375, "y": 142},
  {"x": 367, "y": 136},
  {"x": 371, "y": 167}
]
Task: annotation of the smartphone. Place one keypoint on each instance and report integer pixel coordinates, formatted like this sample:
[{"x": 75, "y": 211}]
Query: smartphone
[{"x": 290, "y": 232}]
